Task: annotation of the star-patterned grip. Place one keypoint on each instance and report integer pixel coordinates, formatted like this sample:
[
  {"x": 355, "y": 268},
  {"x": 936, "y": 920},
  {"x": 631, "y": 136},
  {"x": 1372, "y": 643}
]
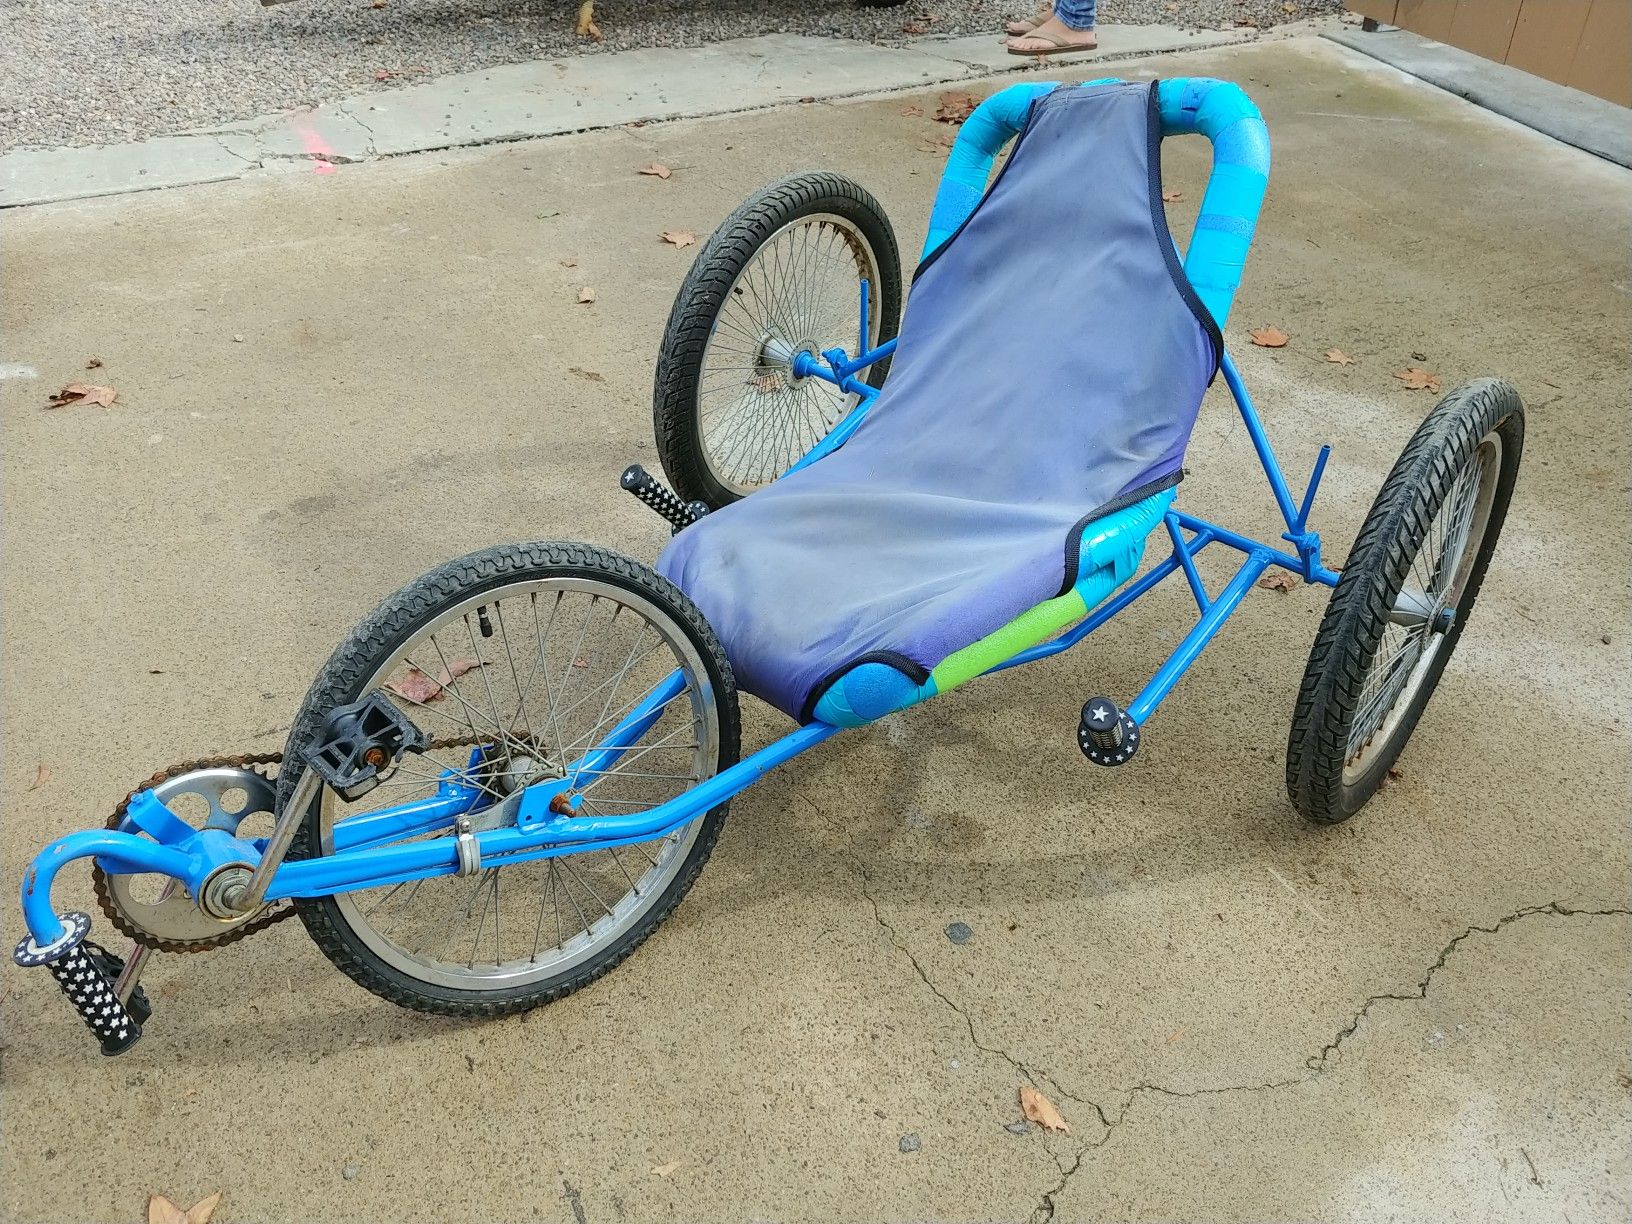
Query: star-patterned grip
[
  {"x": 87, "y": 989},
  {"x": 660, "y": 497}
]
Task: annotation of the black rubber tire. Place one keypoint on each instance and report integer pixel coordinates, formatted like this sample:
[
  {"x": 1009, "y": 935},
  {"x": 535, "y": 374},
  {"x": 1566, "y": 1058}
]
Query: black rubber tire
[
  {"x": 702, "y": 295},
  {"x": 1377, "y": 567},
  {"x": 385, "y": 630}
]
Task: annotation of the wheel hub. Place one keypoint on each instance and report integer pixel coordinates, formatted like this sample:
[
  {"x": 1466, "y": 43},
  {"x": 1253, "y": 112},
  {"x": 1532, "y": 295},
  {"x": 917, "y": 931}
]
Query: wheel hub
[{"x": 777, "y": 360}]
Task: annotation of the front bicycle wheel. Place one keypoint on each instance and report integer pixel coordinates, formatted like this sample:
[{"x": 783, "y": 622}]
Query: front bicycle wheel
[
  {"x": 517, "y": 661},
  {"x": 781, "y": 276},
  {"x": 1400, "y": 607}
]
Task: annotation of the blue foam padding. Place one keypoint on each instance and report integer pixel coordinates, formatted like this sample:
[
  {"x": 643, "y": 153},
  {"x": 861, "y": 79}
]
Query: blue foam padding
[{"x": 866, "y": 693}]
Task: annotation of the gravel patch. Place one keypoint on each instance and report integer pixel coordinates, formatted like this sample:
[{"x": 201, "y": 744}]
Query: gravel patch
[{"x": 83, "y": 72}]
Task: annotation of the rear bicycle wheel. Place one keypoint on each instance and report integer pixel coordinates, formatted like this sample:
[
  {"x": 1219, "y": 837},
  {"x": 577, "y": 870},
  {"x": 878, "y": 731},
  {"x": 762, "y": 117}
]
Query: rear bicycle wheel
[
  {"x": 1403, "y": 601},
  {"x": 518, "y": 660},
  {"x": 780, "y": 276}
]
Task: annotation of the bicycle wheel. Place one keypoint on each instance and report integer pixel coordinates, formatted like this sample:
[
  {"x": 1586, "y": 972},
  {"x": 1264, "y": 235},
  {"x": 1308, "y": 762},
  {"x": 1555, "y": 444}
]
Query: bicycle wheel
[
  {"x": 781, "y": 276},
  {"x": 517, "y": 660},
  {"x": 1404, "y": 598}
]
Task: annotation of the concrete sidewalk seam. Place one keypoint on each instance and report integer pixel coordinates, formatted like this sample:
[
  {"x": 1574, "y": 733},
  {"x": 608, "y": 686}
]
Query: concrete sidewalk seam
[{"x": 555, "y": 97}]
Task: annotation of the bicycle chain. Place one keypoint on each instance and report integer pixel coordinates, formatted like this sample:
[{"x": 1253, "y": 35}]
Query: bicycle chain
[{"x": 258, "y": 762}]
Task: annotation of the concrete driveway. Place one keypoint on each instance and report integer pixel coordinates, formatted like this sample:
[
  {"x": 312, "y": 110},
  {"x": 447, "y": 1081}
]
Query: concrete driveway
[{"x": 329, "y": 382}]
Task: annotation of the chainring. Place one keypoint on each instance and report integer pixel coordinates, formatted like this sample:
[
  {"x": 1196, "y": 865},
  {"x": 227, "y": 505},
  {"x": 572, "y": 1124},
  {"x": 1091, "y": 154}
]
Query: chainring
[
  {"x": 259, "y": 763},
  {"x": 262, "y": 763}
]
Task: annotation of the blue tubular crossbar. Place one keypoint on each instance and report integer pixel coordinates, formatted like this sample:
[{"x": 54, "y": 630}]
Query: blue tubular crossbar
[{"x": 1218, "y": 110}]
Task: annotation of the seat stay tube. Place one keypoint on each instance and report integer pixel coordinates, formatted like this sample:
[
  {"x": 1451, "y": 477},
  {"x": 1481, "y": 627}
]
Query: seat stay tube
[{"x": 1297, "y": 531}]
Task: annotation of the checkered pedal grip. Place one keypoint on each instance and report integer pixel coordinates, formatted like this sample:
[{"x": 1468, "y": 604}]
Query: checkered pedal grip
[
  {"x": 657, "y": 495},
  {"x": 86, "y": 988}
]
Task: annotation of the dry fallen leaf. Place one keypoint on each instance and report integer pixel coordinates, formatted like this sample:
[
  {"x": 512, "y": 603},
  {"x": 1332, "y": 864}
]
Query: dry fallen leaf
[
  {"x": 383, "y": 74},
  {"x": 161, "y": 1210},
  {"x": 377, "y": 4},
  {"x": 955, "y": 107},
  {"x": 93, "y": 363},
  {"x": 912, "y": 112},
  {"x": 586, "y": 295},
  {"x": 586, "y": 26},
  {"x": 1394, "y": 774},
  {"x": 1269, "y": 337},
  {"x": 1416, "y": 378},
  {"x": 1172, "y": 197},
  {"x": 656, "y": 170},
  {"x": 42, "y": 775},
  {"x": 1039, "y": 1109},
  {"x": 663, "y": 1170},
  {"x": 1278, "y": 580},
  {"x": 83, "y": 393},
  {"x": 569, "y": 263},
  {"x": 679, "y": 238},
  {"x": 421, "y": 689},
  {"x": 1338, "y": 357},
  {"x": 590, "y": 375}
]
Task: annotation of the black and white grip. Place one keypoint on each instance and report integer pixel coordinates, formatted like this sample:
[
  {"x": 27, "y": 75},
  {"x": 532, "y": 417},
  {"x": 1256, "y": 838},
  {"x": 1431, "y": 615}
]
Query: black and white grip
[
  {"x": 84, "y": 983},
  {"x": 660, "y": 497}
]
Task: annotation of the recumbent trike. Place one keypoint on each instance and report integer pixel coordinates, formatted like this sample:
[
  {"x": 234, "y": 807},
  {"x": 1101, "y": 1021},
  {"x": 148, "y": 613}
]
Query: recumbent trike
[{"x": 515, "y": 767}]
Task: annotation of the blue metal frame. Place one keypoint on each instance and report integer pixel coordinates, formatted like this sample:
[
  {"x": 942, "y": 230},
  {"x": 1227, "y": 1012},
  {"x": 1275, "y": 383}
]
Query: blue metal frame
[{"x": 370, "y": 850}]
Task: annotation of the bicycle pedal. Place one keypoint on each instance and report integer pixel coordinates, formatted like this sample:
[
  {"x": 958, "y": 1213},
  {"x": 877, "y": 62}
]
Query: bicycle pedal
[
  {"x": 1106, "y": 734},
  {"x": 359, "y": 742}
]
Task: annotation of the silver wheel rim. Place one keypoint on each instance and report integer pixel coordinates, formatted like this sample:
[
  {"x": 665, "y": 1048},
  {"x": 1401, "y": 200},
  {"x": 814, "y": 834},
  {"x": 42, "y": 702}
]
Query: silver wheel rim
[
  {"x": 800, "y": 291},
  {"x": 599, "y": 650},
  {"x": 1426, "y": 607}
]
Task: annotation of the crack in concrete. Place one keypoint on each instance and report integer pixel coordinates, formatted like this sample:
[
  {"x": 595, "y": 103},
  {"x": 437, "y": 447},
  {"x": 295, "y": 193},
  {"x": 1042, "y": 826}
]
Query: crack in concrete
[
  {"x": 252, "y": 162},
  {"x": 900, "y": 946},
  {"x": 1044, "y": 1211},
  {"x": 1316, "y": 1064},
  {"x": 344, "y": 107},
  {"x": 1556, "y": 909}
]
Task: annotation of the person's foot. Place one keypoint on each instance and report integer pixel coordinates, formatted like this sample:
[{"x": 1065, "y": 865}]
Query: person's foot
[
  {"x": 1052, "y": 37},
  {"x": 1027, "y": 24}
]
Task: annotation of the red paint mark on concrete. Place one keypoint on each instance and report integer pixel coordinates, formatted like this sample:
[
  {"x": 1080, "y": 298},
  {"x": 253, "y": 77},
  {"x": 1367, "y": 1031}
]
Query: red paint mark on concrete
[{"x": 316, "y": 146}]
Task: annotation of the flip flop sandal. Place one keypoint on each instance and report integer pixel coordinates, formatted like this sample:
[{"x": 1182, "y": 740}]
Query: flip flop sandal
[
  {"x": 1057, "y": 46},
  {"x": 1024, "y": 26}
]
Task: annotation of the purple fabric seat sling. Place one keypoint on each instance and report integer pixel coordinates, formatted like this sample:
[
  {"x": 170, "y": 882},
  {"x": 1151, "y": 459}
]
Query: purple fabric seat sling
[{"x": 1051, "y": 362}]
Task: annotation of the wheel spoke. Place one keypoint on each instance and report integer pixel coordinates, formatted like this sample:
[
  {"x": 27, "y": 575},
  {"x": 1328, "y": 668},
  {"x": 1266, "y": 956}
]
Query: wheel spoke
[
  {"x": 799, "y": 290},
  {"x": 527, "y": 714},
  {"x": 1414, "y": 631}
]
